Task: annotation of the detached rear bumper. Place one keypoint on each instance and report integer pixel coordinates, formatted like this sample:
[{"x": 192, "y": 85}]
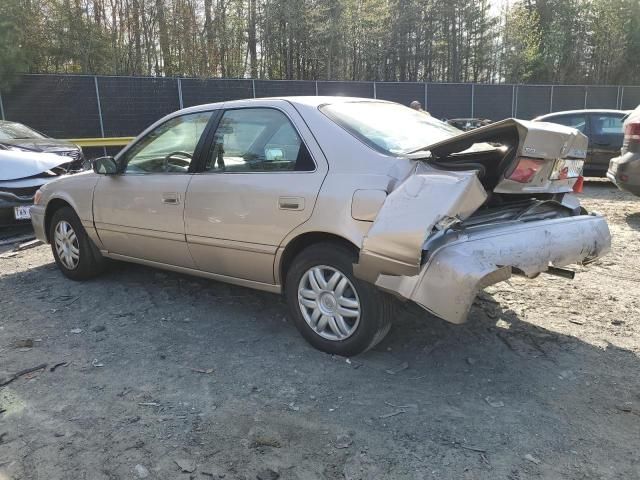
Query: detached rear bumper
[{"x": 468, "y": 261}]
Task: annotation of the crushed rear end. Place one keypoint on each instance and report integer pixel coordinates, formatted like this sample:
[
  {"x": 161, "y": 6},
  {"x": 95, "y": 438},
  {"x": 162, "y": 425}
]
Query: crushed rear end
[{"x": 478, "y": 208}]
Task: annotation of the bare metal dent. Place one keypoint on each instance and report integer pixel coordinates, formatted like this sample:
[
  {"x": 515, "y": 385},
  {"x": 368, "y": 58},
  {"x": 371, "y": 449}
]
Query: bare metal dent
[{"x": 409, "y": 215}]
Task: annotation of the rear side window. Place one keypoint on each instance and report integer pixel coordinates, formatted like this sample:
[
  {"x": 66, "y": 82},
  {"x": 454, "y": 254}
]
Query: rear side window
[
  {"x": 388, "y": 127},
  {"x": 606, "y": 125},
  {"x": 579, "y": 122},
  {"x": 257, "y": 140}
]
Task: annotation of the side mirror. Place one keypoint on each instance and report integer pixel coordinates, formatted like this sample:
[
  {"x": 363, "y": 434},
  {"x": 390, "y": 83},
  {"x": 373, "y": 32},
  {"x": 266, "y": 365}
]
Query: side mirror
[{"x": 105, "y": 166}]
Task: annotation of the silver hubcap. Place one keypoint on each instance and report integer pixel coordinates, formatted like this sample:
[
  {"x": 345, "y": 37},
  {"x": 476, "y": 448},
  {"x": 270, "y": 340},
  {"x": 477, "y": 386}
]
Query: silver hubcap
[
  {"x": 67, "y": 245},
  {"x": 329, "y": 303}
]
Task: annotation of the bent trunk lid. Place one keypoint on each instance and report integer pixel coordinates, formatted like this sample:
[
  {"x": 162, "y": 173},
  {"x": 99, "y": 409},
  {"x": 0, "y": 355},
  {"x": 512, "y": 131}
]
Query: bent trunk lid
[
  {"x": 511, "y": 140},
  {"x": 443, "y": 189}
]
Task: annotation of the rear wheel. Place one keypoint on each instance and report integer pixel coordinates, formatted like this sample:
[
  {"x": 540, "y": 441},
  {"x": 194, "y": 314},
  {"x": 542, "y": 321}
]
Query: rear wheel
[
  {"x": 75, "y": 254},
  {"x": 334, "y": 311}
]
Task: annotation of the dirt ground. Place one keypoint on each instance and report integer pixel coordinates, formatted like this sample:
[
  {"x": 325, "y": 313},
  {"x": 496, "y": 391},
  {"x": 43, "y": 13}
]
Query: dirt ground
[{"x": 165, "y": 376}]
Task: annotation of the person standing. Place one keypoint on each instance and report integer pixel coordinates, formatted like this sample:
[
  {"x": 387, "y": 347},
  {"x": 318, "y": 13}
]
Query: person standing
[{"x": 416, "y": 105}]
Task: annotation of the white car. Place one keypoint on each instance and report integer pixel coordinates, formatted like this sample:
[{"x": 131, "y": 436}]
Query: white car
[{"x": 21, "y": 175}]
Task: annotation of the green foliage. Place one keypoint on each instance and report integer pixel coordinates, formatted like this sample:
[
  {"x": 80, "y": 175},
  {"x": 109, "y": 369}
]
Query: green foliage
[
  {"x": 13, "y": 57},
  {"x": 563, "y": 41}
]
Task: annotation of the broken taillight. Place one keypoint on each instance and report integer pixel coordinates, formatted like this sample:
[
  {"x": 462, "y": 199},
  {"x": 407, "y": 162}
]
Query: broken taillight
[
  {"x": 526, "y": 169},
  {"x": 564, "y": 168},
  {"x": 632, "y": 132}
]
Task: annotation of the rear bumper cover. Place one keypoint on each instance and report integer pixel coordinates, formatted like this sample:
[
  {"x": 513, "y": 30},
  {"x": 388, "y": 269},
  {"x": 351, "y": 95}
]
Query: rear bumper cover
[
  {"x": 624, "y": 171},
  {"x": 471, "y": 260}
]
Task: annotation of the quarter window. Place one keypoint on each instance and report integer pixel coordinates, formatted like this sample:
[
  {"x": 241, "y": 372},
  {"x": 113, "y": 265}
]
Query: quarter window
[
  {"x": 170, "y": 147},
  {"x": 257, "y": 140}
]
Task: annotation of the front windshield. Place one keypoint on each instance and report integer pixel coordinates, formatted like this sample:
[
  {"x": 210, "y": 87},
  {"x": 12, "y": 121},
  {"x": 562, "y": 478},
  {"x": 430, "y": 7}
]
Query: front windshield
[
  {"x": 389, "y": 127},
  {"x": 15, "y": 131}
]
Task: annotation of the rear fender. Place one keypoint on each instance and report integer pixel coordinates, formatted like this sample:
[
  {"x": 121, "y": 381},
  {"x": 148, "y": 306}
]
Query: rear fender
[{"x": 418, "y": 206}]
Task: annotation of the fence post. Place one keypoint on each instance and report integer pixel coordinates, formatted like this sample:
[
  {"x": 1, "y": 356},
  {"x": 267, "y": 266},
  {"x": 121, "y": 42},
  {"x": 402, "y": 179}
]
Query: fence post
[
  {"x": 425, "y": 96},
  {"x": 1, "y": 107},
  {"x": 551, "y": 100},
  {"x": 585, "y": 96},
  {"x": 253, "y": 87},
  {"x": 375, "y": 93},
  {"x": 514, "y": 101},
  {"x": 618, "y": 104},
  {"x": 473, "y": 98},
  {"x": 95, "y": 82},
  {"x": 316, "y": 88},
  {"x": 180, "y": 93},
  {"x": 621, "y": 95}
]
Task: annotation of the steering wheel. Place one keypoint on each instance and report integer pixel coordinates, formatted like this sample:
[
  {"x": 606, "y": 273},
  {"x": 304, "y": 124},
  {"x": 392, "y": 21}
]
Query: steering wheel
[{"x": 178, "y": 162}]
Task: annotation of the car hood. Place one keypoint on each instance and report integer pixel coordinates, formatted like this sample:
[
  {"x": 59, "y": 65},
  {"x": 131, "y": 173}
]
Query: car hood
[
  {"x": 17, "y": 165},
  {"x": 40, "y": 144}
]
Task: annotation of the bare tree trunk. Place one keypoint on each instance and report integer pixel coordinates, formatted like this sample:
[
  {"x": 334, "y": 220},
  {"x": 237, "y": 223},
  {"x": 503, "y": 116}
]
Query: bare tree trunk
[
  {"x": 137, "y": 62},
  {"x": 253, "y": 55}
]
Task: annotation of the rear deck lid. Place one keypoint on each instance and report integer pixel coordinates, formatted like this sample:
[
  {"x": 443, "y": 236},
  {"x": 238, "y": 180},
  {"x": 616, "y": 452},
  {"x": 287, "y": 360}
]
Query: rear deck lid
[{"x": 552, "y": 154}]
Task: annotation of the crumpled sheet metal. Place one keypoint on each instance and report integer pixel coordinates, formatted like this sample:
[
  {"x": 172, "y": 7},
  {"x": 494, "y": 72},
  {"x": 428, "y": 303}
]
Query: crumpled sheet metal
[
  {"x": 451, "y": 279},
  {"x": 393, "y": 245}
]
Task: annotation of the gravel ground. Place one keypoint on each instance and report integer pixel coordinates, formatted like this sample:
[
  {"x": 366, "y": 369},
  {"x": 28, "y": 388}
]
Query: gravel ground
[{"x": 164, "y": 376}]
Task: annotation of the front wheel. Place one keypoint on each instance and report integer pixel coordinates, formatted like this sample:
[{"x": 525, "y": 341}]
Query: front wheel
[
  {"x": 75, "y": 254},
  {"x": 334, "y": 311}
]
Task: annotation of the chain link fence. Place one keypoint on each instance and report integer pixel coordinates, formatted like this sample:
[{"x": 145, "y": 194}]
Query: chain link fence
[{"x": 81, "y": 106}]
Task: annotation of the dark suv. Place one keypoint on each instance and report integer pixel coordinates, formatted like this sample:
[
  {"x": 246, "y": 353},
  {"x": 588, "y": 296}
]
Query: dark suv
[{"x": 604, "y": 129}]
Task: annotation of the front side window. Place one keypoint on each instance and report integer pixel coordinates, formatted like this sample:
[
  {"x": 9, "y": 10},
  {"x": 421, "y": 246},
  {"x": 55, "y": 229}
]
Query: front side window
[
  {"x": 606, "y": 125},
  {"x": 579, "y": 122},
  {"x": 257, "y": 140},
  {"x": 389, "y": 127},
  {"x": 170, "y": 147}
]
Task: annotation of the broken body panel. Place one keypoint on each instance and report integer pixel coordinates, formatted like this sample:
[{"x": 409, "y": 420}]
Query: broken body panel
[{"x": 419, "y": 248}]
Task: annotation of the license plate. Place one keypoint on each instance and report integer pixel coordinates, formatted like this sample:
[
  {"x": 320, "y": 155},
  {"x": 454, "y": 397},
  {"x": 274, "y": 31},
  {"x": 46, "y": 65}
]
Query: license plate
[{"x": 22, "y": 212}]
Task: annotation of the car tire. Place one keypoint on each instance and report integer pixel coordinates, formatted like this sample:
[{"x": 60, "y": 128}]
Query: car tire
[
  {"x": 325, "y": 262},
  {"x": 75, "y": 253}
]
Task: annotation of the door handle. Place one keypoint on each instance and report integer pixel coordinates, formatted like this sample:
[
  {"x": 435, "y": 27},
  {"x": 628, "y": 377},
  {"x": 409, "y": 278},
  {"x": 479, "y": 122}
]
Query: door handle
[
  {"x": 171, "y": 198},
  {"x": 291, "y": 203}
]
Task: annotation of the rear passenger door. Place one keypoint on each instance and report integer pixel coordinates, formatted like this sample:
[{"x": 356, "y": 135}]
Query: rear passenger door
[
  {"x": 260, "y": 178},
  {"x": 606, "y": 138}
]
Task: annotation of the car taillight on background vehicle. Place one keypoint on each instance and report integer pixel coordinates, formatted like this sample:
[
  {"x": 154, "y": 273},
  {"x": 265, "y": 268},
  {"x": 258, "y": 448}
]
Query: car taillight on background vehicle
[
  {"x": 632, "y": 132},
  {"x": 526, "y": 169}
]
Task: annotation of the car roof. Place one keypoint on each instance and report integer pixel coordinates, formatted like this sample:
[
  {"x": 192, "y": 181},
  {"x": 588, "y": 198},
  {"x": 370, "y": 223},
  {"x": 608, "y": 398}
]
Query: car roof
[
  {"x": 310, "y": 101},
  {"x": 586, "y": 110}
]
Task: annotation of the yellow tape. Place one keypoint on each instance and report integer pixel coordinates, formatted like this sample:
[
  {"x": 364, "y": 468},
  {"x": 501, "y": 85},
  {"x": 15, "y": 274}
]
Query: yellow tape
[{"x": 101, "y": 142}]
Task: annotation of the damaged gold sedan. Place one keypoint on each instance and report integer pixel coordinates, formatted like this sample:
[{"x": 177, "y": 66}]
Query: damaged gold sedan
[{"x": 340, "y": 203}]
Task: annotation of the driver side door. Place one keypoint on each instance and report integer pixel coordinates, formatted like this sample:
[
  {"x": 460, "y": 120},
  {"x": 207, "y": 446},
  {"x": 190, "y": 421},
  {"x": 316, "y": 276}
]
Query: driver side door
[{"x": 139, "y": 212}]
